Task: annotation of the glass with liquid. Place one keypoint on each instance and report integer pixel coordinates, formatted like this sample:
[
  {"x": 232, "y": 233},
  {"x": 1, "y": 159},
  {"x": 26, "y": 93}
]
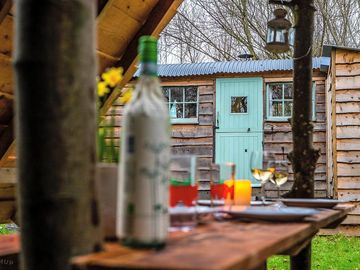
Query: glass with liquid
[
  {"x": 216, "y": 183},
  {"x": 280, "y": 175},
  {"x": 184, "y": 174},
  {"x": 262, "y": 168}
]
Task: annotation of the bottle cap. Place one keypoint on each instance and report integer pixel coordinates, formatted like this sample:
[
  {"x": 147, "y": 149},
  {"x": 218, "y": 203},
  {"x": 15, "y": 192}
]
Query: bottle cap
[{"x": 148, "y": 49}]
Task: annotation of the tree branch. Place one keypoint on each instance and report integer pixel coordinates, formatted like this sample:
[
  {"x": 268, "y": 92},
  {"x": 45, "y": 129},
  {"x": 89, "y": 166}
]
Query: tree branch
[{"x": 289, "y": 3}]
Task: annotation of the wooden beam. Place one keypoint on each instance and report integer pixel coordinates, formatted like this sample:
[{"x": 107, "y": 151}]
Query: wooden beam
[
  {"x": 5, "y": 57},
  {"x": 333, "y": 130},
  {"x": 156, "y": 19},
  {"x": 6, "y": 139},
  {"x": 159, "y": 17},
  {"x": 8, "y": 158},
  {"x": 5, "y": 6},
  {"x": 100, "y": 5},
  {"x": 7, "y": 176},
  {"x": 7, "y": 95}
]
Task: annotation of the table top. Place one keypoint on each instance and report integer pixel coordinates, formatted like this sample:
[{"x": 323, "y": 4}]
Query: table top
[{"x": 217, "y": 245}]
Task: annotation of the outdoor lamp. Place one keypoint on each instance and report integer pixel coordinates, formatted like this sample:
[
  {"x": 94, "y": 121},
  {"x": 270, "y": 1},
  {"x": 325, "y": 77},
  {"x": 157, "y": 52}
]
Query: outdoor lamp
[{"x": 277, "y": 40}]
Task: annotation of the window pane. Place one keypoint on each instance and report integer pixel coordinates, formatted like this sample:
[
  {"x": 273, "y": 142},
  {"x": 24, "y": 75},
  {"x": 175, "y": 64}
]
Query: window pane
[
  {"x": 276, "y": 108},
  {"x": 166, "y": 93},
  {"x": 276, "y": 91},
  {"x": 179, "y": 110},
  {"x": 280, "y": 35},
  {"x": 191, "y": 94},
  {"x": 238, "y": 104},
  {"x": 270, "y": 35},
  {"x": 287, "y": 108},
  {"x": 172, "y": 110},
  {"x": 177, "y": 94},
  {"x": 288, "y": 91},
  {"x": 190, "y": 110},
  {"x": 176, "y": 110}
]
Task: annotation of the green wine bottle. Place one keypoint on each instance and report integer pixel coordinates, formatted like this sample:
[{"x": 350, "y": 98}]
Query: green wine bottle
[{"x": 143, "y": 218}]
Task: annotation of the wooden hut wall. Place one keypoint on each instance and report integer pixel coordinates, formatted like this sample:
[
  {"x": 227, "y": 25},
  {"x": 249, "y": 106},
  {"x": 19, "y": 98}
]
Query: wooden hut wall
[
  {"x": 198, "y": 138},
  {"x": 278, "y": 135},
  {"x": 194, "y": 139},
  {"x": 345, "y": 76}
]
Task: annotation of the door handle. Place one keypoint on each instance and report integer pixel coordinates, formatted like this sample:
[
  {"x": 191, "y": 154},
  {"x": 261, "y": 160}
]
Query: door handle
[{"x": 217, "y": 120}]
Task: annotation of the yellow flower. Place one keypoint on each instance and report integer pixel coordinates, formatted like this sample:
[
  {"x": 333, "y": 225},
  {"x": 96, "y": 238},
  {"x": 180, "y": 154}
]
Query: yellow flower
[
  {"x": 126, "y": 96},
  {"x": 102, "y": 88},
  {"x": 112, "y": 76}
]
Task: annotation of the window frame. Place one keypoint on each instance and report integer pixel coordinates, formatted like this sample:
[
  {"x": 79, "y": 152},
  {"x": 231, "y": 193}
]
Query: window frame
[
  {"x": 194, "y": 120},
  {"x": 269, "y": 101}
]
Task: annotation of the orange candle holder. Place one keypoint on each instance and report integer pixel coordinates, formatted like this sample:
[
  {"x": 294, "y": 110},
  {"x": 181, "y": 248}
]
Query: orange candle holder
[{"x": 242, "y": 192}]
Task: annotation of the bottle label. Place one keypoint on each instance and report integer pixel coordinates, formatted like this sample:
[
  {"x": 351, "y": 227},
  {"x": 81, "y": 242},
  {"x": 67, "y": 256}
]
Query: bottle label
[{"x": 144, "y": 179}]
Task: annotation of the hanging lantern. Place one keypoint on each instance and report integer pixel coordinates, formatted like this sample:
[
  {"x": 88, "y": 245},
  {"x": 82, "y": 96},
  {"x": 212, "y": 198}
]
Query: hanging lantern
[{"x": 277, "y": 40}]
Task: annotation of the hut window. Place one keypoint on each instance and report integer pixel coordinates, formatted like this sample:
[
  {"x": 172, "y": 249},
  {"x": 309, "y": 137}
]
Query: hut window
[
  {"x": 279, "y": 101},
  {"x": 183, "y": 103}
]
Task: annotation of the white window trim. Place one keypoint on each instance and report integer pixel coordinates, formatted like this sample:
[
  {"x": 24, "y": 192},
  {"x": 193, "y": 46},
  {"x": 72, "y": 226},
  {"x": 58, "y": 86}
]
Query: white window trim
[
  {"x": 194, "y": 120},
  {"x": 285, "y": 118}
]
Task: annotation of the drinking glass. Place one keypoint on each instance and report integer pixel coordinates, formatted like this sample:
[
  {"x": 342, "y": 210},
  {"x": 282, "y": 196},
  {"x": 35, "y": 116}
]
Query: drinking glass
[
  {"x": 216, "y": 183},
  {"x": 280, "y": 176},
  {"x": 184, "y": 174},
  {"x": 262, "y": 168},
  {"x": 227, "y": 172}
]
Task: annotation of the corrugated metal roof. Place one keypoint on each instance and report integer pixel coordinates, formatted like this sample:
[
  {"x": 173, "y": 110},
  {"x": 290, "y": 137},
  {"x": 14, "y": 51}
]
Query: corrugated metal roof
[{"x": 229, "y": 67}]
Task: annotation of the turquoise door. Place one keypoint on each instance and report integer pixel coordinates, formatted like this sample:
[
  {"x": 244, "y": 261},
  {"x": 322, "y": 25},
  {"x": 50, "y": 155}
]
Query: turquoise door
[{"x": 239, "y": 122}]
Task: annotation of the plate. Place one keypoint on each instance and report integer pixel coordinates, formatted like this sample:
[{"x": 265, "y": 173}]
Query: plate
[
  {"x": 315, "y": 203},
  {"x": 221, "y": 203},
  {"x": 266, "y": 213},
  {"x": 260, "y": 203},
  {"x": 189, "y": 211},
  {"x": 208, "y": 202}
]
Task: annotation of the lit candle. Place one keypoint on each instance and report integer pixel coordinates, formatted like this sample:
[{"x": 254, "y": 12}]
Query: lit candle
[{"x": 242, "y": 192}]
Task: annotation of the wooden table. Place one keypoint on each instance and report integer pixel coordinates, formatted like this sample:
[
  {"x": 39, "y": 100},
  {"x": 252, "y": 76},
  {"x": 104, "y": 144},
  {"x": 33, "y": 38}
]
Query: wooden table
[{"x": 218, "y": 245}]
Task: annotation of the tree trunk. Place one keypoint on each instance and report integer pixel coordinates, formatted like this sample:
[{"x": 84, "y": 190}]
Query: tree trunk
[
  {"x": 55, "y": 68},
  {"x": 303, "y": 157}
]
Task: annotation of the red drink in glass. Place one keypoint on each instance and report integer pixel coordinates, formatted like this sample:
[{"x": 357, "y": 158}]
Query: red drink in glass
[
  {"x": 186, "y": 195},
  {"x": 229, "y": 190},
  {"x": 217, "y": 191}
]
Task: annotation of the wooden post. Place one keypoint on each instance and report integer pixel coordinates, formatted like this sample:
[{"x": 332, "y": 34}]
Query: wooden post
[
  {"x": 303, "y": 157},
  {"x": 55, "y": 69},
  {"x": 301, "y": 261}
]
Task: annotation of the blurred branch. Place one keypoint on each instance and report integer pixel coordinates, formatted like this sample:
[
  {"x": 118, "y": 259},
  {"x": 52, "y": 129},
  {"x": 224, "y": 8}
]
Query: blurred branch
[{"x": 288, "y": 3}]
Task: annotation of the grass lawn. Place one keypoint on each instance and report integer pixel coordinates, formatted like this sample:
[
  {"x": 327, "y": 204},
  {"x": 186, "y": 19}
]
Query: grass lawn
[
  {"x": 3, "y": 229},
  {"x": 336, "y": 252}
]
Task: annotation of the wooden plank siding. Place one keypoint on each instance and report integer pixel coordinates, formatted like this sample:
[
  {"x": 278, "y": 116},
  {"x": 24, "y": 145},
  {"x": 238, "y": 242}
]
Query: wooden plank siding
[
  {"x": 278, "y": 135},
  {"x": 346, "y": 126},
  {"x": 198, "y": 139}
]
